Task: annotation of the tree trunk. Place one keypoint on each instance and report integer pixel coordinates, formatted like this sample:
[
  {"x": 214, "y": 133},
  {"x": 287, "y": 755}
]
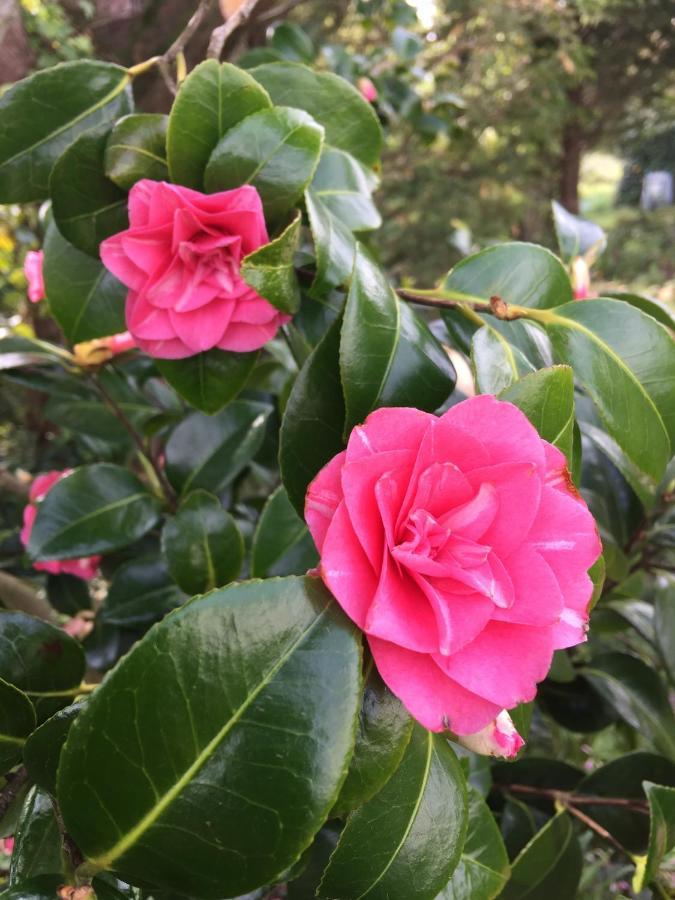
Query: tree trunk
[
  {"x": 570, "y": 167},
  {"x": 16, "y": 56}
]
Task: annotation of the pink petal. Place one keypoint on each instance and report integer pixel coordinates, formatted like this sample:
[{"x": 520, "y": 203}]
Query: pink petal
[
  {"x": 502, "y": 428},
  {"x": 499, "y": 738},
  {"x": 140, "y": 198},
  {"x": 538, "y": 598},
  {"x": 518, "y": 487},
  {"x": 441, "y": 487},
  {"x": 115, "y": 260},
  {"x": 472, "y": 519},
  {"x": 435, "y": 700},
  {"x": 323, "y": 498},
  {"x": 393, "y": 428},
  {"x": 503, "y": 664},
  {"x": 459, "y": 617},
  {"x": 202, "y": 328},
  {"x": 243, "y": 338},
  {"x": 42, "y": 484},
  {"x": 345, "y": 568},
  {"x": 400, "y": 612},
  {"x": 171, "y": 348},
  {"x": 146, "y": 322},
  {"x": 565, "y": 527},
  {"x": 253, "y": 310},
  {"x": 29, "y": 516}
]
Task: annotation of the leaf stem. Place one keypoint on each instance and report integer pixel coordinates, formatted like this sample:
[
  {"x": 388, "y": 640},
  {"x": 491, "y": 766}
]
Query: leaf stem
[
  {"x": 84, "y": 688},
  {"x": 468, "y": 303}
]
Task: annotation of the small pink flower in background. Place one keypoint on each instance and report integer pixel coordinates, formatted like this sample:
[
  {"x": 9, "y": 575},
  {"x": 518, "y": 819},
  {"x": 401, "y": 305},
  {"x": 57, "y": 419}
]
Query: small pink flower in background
[
  {"x": 581, "y": 278},
  {"x": 499, "y": 738},
  {"x": 367, "y": 89},
  {"x": 7, "y": 845},
  {"x": 87, "y": 566},
  {"x": 460, "y": 546},
  {"x": 32, "y": 269},
  {"x": 180, "y": 259}
]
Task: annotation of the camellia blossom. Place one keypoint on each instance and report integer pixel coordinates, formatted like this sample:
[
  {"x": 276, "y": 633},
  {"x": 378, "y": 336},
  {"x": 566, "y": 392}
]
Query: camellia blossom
[
  {"x": 85, "y": 567},
  {"x": 460, "y": 546},
  {"x": 32, "y": 269},
  {"x": 100, "y": 350},
  {"x": 367, "y": 89},
  {"x": 499, "y": 738},
  {"x": 581, "y": 278},
  {"x": 180, "y": 259}
]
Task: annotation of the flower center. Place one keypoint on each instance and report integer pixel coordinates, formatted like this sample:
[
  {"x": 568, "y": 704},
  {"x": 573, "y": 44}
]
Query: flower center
[{"x": 423, "y": 535}]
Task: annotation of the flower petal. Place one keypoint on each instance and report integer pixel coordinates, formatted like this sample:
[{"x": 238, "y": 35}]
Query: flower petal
[
  {"x": 345, "y": 568},
  {"x": 323, "y": 498}
]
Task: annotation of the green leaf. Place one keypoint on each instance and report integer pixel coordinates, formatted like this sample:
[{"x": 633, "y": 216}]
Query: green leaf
[
  {"x": 334, "y": 245},
  {"x": 576, "y": 705},
  {"x": 293, "y": 43},
  {"x": 496, "y": 364},
  {"x": 210, "y": 451},
  {"x": 626, "y": 362},
  {"x": 210, "y": 380},
  {"x": 269, "y": 270},
  {"x": 624, "y": 777},
  {"x": 349, "y": 120},
  {"x": 522, "y": 274},
  {"x": 381, "y": 740},
  {"x": 549, "y": 866},
  {"x": 136, "y": 149},
  {"x": 39, "y": 659},
  {"x": 202, "y": 544},
  {"x": 664, "y": 625},
  {"x": 653, "y": 308},
  {"x": 211, "y": 100},
  {"x": 87, "y": 207},
  {"x": 96, "y": 509},
  {"x": 84, "y": 298},
  {"x": 576, "y": 236},
  {"x": 413, "y": 855},
  {"x": 43, "y": 114},
  {"x": 661, "y": 832},
  {"x": 248, "y": 669},
  {"x": 644, "y": 487},
  {"x": 638, "y": 695},
  {"x": 275, "y": 150},
  {"x": 547, "y": 399},
  {"x": 312, "y": 426},
  {"x": 536, "y": 772},
  {"x": 483, "y": 867},
  {"x": 68, "y": 594},
  {"x": 345, "y": 187},
  {"x": 42, "y": 751},
  {"x": 282, "y": 544},
  {"x": 388, "y": 356},
  {"x": 142, "y": 591},
  {"x": 17, "y": 721},
  {"x": 37, "y": 842}
]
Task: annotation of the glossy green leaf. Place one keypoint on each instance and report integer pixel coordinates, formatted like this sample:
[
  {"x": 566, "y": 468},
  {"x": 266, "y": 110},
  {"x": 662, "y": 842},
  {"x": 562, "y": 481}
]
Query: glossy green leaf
[
  {"x": 142, "y": 591},
  {"x": 345, "y": 187},
  {"x": 519, "y": 823},
  {"x": 17, "y": 721},
  {"x": 496, "y": 364},
  {"x": 136, "y": 149},
  {"x": 334, "y": 246},
  {"x": 576, "y": 236},
  {"x": 644, "y": 487},
  {"x": 664, "y": 625},
  {"x": 349, "y": 120},
  {"x": 282, "y": 544},
  {"x": 269, "y": 270},
  {"x": 626, "y": 362},
  {"x": 202, "y": 544},
  {"x": 661, "y": 832},
  {"x": 224, "y": 793},
  {"x": 43, "y": 114},
  {"x": 405, "y": 842},
  {"x": 87, "y": 208},
  {"x": 213, "y": 98},
  {"x": 275, "y": 150},
  {"x": 653, "y": 308},
  {"x": 547, "y": 399},
  {"x": 68, "y": 594},
  {"x": 638, "y": 695},
  {"x": 522, "y": 274},
  {"x": 381, "y": 740},
  {"x": 483, "y": 867},
  {"x": 42, "y": 751},
  {"x": 549, "y": 866},
  {"x": 39, "y": 659},
  {"x": 576, "y": 705},
  {"x": 210, "y": 451},
  {"x": 37, "y": 842},
  {"x": 388, "y": 356},
  {"x": 96, "y": 509},
  {"x": 293, "y": 43},
  {"x": 624, "y": 777},
  {"x": 312, "y": 426},
  {"x": 210, "y": 380},
  {"x": 84, "y": 298}
]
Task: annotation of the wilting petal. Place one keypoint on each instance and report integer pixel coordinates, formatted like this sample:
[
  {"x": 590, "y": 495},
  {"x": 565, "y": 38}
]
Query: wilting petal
[{"x": 500, "y": 738}]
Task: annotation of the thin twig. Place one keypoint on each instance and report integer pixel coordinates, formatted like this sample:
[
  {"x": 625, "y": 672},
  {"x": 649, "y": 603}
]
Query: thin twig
[
  {"x": 188, "y": 32},
  {"x": 577, "y": 799},
  {"x": 222, "y": 33},
  {"x": 11, "y": 790},
  {"x": 597, "y": 828},
  {"x": 146, "y": 455}
]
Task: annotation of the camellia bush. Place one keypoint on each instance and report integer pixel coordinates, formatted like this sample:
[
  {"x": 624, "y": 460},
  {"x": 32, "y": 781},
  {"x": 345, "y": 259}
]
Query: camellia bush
[{"x": 287, "y": 613}]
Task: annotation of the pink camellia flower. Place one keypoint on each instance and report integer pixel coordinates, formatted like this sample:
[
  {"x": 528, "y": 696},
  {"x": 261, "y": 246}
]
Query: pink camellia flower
[
  {"x": 32, "y": 269},
  {"x": 367, "y": 89},
  {"x": 87, "y": 566},
  {"x": 581, "y": 278},
  {"x": 499, "y": 738},
  {"x": 180, "y": 259},
  {"x": 461, "y": 547}
]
